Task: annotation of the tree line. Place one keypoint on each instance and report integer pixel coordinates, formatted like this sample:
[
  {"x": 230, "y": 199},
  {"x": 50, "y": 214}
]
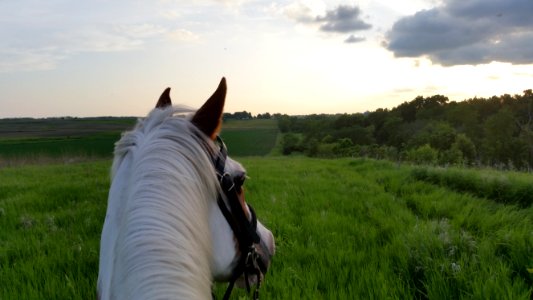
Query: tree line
[
  {"x": 244, "y": 115},
  {"x": 495, "y": 131}
]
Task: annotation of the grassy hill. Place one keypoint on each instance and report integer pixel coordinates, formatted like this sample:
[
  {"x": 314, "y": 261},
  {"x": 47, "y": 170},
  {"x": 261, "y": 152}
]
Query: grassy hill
[{"x": 345, "y": 229}]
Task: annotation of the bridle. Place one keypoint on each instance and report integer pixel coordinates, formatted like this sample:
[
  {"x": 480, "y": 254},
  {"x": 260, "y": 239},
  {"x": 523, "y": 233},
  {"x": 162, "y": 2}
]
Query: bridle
[{"x": 250, "y": 263}]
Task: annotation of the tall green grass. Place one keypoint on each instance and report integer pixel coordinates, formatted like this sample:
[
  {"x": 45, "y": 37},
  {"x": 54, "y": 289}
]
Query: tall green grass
[
  {"x": 355, "y": 229},
  {"x": 50, "y": 222},
  {"x": 344, "y": 229},
  {"x": 504, "y": 187}
]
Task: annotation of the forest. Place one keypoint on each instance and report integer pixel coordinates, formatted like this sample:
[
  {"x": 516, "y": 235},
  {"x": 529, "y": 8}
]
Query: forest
[{"x": 495, "y": 132}]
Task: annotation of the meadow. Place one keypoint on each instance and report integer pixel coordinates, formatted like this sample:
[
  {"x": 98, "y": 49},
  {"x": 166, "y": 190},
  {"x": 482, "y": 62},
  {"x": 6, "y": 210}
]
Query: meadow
[{"x": 345, "y": 228}]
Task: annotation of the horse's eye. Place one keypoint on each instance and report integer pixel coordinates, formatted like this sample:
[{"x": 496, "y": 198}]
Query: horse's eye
[{"x": 239, "y": 181}]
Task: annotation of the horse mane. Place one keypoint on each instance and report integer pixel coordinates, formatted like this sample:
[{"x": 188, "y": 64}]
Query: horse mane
[{"x": 161, "y": 241}]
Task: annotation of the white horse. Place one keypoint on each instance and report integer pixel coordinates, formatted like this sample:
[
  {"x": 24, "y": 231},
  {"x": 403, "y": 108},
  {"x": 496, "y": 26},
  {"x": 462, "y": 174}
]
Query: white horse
[{"x": 176, "y": 218}]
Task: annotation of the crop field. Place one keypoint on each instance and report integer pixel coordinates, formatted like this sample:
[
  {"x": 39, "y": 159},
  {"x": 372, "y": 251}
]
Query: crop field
[
  {"x": 51, "y": 139},
  {"x": 61, "y": 139},
  {"x": 250, "y": 137},
  {"x": 344, "y": 229},
  {"x": 93, "y": 145}
]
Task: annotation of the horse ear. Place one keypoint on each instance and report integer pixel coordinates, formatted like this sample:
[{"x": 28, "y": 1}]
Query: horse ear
[
  {"x": 209, "y": 117},
  {"x": 164, "y": 99}
]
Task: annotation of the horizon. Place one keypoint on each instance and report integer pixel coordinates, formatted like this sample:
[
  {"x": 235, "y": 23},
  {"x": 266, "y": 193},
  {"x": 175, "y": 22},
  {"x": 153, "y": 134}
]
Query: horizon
[
  {"x": 254, "y": 114},
  {"x": 294, "y": 57}
]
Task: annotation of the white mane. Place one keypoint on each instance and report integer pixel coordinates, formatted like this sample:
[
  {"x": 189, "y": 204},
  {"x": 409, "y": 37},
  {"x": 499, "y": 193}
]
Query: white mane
[{"x": 158, "y": 212}]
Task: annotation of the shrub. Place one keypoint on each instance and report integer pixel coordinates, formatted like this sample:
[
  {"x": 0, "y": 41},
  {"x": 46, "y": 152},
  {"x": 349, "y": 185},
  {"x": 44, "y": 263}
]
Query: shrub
[
  {"x": 452, "y": 156},
  {"x": 423, "y": 155},
  {"x": 466, "y": 146},
  {"x": 290, "y": 143}
]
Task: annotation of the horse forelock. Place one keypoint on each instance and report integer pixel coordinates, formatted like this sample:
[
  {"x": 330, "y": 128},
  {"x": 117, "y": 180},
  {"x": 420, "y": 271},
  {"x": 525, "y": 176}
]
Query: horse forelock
[
  {"x": 161, "y": 244},
  {"x": 144, "y": 127}
]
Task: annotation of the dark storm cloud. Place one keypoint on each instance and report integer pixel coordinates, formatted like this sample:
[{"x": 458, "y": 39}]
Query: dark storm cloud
[
  {"x": 467, "y": 32},
  {"x": 343, "y": 19}
]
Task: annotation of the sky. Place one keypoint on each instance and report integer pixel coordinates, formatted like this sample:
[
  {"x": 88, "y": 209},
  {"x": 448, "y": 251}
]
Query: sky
[{"x": 115, "y": 57}]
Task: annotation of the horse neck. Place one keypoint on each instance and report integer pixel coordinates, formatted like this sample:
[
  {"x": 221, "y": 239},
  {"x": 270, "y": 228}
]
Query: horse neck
[{"x": 157, "y": 228}]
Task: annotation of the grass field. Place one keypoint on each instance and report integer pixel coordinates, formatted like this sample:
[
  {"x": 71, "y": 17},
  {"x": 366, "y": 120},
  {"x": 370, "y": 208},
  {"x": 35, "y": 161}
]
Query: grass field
[
  {"x": 504, "y": 187},
  {"x": 345, "y": 229},
  {"x": 50, "y": 222}
]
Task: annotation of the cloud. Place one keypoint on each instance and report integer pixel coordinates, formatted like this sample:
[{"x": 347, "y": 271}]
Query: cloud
[
  {"x": 55, "y": 46},
  {"x": 343, "y": 19},
  {"x": 144, "y": 30},
  {"x": 13, "y": 59},
  {"x": 182, "y": 35},
  {"x": 300, "y": 12},
  {"x": 230, "y": 2},
  {"x": 51, "y": 48},
  {"x": 170, "y": 14},
  {"x": 467, "y": 32},
  {"x": 98, "y": 40},
  {"x": 354, "y": 39},
  {"x": 40, "y": 35}
]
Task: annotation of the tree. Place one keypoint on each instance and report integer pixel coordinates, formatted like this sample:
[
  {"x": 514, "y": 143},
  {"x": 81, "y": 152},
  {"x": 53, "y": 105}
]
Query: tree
[
  {"x": 524, "y": 119},
  {"x": 284, "y": 123},
  {"x": 408, "y": 109},
  {"x": 499, "y": 131},
  {"x": 440, "y": 135},
  {"x": 343, "y": 147},
  {"x": 452, "y": 156},
  {"x": 422, "y": 108},
  {"x": 423, "y": 155},
  {"x": 264, "y": 116},
  {"x": 431, "y": 108},
  {"x": 494, "y": 130},
  {"x": 466, "y": 147},
  {"x": 464, "y": 118},
  {"x": 358, "y": 134},
  {"x": 378, "y": 118},
  {"x": 290, "y": 143},
  {"x": 311, "y": 147},
  {"x": 243, "y": 115},
  {"x": 346, "y": 120},
  {"x": 391, "y": 133}
]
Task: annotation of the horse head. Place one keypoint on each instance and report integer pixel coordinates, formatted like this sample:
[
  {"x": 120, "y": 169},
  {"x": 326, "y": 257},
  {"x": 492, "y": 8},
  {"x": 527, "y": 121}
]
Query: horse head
[
  {"x": 234, "y": 228},
  {"x": 142, "y": 211}
]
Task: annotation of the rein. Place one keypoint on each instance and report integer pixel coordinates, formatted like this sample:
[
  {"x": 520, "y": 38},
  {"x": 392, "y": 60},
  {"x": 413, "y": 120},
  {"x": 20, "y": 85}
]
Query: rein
[{"x": 245, "y": 230}]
